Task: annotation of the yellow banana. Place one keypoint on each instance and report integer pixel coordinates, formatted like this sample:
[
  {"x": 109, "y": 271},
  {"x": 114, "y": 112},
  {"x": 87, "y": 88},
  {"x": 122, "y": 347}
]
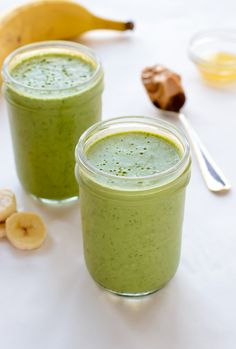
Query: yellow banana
[
  {"x": 25, "y": 230},
  {"x": 2, "y": 230},
  {"x": 7, "y": 204},
  {"x": 49, "y": 20}
]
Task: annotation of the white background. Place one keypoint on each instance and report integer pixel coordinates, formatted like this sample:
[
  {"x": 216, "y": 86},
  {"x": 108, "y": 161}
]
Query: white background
[{"x": 47, "y": 299}]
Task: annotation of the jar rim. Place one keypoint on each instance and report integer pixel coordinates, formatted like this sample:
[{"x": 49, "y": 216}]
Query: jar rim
[
  {"x": 51, "y": 44},
  {"x": 178, "y": 168}
]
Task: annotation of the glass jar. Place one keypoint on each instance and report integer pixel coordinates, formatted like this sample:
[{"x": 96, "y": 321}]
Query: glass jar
[
  {"x": 47, "y": 121},
  {"x": 132, "y": 225}
]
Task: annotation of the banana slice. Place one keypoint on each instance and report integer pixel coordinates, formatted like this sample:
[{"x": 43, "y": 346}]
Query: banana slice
[
  {"x": 25, "y": 230},
  {"x": 7, "y": 204},
  {"x": 2, "y": 230}
]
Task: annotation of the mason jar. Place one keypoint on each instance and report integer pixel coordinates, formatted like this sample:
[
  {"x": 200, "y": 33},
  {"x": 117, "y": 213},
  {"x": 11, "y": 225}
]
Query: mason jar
[
  {"x": 132, "y": 225},
  {"x": 50, "y": 104}
]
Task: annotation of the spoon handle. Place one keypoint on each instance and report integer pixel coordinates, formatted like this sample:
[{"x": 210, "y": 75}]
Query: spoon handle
[{"x": 213, "y": 176}]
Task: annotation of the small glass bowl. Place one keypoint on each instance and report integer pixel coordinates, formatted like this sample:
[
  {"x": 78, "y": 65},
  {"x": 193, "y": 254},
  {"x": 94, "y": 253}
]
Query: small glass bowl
[{"x": 214, "y": 53}]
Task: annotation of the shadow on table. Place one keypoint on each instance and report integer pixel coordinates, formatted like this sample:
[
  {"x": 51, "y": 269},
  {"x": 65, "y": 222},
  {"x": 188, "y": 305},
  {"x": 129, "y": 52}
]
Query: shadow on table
[
  {"x": 138, "y": 310},
  {"x": 56, "y": 211}
]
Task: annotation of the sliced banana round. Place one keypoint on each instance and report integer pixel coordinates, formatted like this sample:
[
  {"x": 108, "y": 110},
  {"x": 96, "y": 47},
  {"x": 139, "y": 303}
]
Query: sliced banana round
[
  {"x": 25, "y": 230},
  {"x": 7, "y": 204},
  {"x": 2, "y": 230}
]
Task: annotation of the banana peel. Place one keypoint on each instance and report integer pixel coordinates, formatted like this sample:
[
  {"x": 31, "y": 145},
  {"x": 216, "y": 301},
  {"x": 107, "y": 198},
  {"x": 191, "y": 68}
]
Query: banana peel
[{"x": 42, "y": 20}]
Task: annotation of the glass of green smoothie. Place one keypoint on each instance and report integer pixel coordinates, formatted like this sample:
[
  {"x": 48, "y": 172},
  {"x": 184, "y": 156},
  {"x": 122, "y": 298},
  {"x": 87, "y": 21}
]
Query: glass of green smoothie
[
  {"x": 53, "y": 91},
  {"x": 132, "y": 173}
]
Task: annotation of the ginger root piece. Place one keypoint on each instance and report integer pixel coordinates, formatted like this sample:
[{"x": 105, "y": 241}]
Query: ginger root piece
[{"x": 163, "y": 87}]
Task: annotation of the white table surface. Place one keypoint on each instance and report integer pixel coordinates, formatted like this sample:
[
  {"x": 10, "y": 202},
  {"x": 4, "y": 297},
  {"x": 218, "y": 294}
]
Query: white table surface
[{"x": 47, "y": 298}]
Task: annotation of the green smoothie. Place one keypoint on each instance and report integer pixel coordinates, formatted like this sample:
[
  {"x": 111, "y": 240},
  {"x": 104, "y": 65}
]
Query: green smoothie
[
  {"x": 53, "y": 94},
  {"x": 132, "y": 237},
  {"x": 133, "y": 154}
]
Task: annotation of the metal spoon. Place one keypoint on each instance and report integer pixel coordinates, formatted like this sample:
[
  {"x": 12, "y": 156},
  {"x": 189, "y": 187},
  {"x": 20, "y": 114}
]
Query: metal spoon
[
  {"x": 167, "y": 94},
  {"x": 212, "y": 174}
]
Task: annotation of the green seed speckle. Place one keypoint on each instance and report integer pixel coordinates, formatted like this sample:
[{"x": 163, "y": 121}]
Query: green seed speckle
[{"x": 121, "y": 156}]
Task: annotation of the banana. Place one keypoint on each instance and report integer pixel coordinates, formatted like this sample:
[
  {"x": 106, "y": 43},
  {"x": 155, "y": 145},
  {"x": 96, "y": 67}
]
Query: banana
[
  {"x": 7, "y": 204},
  {"x": 25, "y": 230},
  {"x": 49, "y": 20},
  {"x": 2, "y": 230}
]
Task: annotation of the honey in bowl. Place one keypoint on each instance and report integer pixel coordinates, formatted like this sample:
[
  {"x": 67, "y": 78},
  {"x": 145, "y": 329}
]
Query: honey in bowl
[{"x": 218, "y": 67}]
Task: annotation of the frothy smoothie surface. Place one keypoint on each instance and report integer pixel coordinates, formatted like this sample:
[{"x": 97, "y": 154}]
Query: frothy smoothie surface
[
  {"x": 133, "y": 154},
  {"x": 53, "y": 70}
]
